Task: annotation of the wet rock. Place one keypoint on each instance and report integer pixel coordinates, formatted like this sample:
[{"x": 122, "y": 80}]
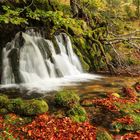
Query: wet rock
[
  {"x": 23, "y": 107},
  {"x": 22, "y": 92},
  {"x": 8, "y": 45},
  {"x": 19, "y": 41},
  {"x": 77, "y": 114},
  {"x": 67, "y": 99},
  {"x": 14, "y": 61}
]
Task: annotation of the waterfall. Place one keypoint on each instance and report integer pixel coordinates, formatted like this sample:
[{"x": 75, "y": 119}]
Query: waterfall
[{"x": 29, "y": 58}]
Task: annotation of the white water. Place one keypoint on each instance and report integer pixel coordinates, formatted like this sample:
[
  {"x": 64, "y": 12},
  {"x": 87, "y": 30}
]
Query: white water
[{"x": 41, "y": 67}]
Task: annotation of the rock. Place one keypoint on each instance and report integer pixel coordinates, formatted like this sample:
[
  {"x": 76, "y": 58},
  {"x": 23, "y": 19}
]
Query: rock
[
  {"x": 67, "y": 99},
  {"x": 3, "y": 111},
  {"x": 3, "y": 101},
  {"x": 77, "y": 114},
  {"x": 35, "y": 107},
  {"x": 8, "y": 46},
  {"x": 19, "y": 41},
  {"x": 116, "y": 95},
  {"x": 23, "y": 107},
  {"x": 14, "y": 60},
  {"x": 15, "y": 105}
]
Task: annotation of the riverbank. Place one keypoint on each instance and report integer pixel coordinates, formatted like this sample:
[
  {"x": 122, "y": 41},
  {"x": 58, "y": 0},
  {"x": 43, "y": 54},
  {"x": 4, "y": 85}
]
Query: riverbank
[{"x": 111, "y": 104}]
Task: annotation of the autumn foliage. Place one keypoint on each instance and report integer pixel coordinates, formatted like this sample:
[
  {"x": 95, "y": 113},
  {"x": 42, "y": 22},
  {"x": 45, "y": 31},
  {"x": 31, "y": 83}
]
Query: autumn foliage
[
  {"x": 109, "y": 102},
  {"x": 51, "y": 128},
  {"x": 125, "y": 120}
]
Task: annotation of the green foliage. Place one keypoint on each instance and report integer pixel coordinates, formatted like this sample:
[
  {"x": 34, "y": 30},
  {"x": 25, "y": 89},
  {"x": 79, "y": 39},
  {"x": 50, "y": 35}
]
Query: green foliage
[
  {"x": 34, "y": 107},
  {"x": 15, "y": 105},
  {"x": 130, "y": 127},
  {"x": 94, "y": 19},
  {"x": 3, "y": 101},
  {"x": 77, "y": 110},
  {"x": 129, "y": 109},
  {"x": 67, "y": 99},
  {"x": 19, "y": 106},
  {"x": 103, "y": 135},
  {"x": 77, "y": 114},
  {"x": 3, "y": 111},
  {"x": 12, "y": 16}
]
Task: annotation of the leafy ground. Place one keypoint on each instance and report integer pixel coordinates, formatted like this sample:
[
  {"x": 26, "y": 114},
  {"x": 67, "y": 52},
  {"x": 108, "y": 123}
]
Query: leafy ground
[{"x": 112, "y": 114}]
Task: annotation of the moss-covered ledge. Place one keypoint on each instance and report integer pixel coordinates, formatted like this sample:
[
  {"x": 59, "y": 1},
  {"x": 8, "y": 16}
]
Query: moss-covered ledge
[{"x": 22, "y": 107}]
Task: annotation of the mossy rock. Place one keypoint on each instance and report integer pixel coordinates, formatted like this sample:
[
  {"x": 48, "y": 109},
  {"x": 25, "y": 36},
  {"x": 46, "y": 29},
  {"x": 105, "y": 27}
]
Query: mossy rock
[
  {"x": 3, "y": 101},
  {"x": 15, "y": 105},
  {"x": 77, "y": 118},
  {"x": 3, "y": 111},
  {"x": 34, "y": 107},
  {"x": 67, "y": 99},
  {"x": 19, "y": 106},
  {"x": 103, "y": 135},
  {"x": 77, "y": 114},
  {"x": 77, "y": 110},
  {"x": 85, "y": 66}
]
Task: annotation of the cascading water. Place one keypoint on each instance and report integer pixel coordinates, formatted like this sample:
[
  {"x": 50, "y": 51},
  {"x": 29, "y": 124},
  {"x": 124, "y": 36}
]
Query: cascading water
[{"x": 33, "y": 61}]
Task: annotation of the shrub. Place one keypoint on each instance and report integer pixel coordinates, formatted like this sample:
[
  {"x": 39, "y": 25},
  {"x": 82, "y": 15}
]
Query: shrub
[{"x": 67, "y": 99}]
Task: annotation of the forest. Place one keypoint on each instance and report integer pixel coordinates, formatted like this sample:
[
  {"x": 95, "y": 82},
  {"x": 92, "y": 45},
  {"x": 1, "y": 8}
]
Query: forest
[{"x": 69, "y": 69}]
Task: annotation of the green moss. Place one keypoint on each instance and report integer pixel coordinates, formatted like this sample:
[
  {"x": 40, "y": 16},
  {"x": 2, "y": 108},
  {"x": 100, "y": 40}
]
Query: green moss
[
  {"x": 24, "y": 107},
  {"x": 129, "y": 109},
  {"x": 135, "y": 125},
  {"x": 77, "y": 110},
  {"x": 3, "y": 111},
  {"x": 34, "y": 107},
  {"x": 3, "y": 101},
  {"x": 67, "y": 99},
  {"x": 130, "y": 127},
  {"x": 80, "y": 48},
  {"x": 77, "y": 118},
  {"x": 15, "y": 105},
  {"x": 85, "y": 66},
  {"x": 75, "y": 31},
  {"x": 77, "y": 114},
  {"x": 103, "y": 135}
]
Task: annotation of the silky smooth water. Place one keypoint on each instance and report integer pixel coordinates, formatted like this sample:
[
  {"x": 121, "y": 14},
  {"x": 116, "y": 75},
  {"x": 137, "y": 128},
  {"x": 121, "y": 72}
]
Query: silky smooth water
[{"x": 41, "y": 66}]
